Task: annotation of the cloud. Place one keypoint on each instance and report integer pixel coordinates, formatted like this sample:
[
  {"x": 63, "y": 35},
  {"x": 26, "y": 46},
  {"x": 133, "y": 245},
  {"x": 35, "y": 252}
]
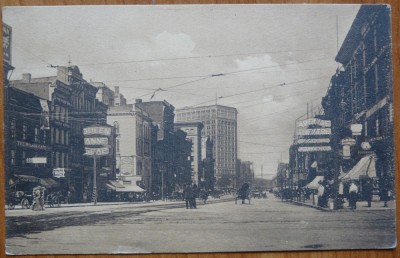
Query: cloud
[
  {"x": 254, "y": 62},
  {"x": 169, "y": 45}
]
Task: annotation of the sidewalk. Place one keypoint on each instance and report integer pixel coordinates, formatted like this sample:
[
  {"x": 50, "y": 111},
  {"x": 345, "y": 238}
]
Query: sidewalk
[{"x": 361, "y": 206}]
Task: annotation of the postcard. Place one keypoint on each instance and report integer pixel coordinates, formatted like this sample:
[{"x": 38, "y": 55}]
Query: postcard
[{"x": 198, "y": 128}]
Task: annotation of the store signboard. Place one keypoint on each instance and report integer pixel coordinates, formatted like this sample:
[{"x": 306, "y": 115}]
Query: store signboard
[
  {"x": 97, "y": 130},
  {"x": 93, "y": 141},
  {"x": 59, "y": 172},
  {"x": 37, "y": 160},
  {"x": 313, "y": 141},
  {"x": 314, "y": 121},
  {"x": 97, "y": 151},
  {"x": 315, "y": 149},
  {"x": 316, "y": 131}
]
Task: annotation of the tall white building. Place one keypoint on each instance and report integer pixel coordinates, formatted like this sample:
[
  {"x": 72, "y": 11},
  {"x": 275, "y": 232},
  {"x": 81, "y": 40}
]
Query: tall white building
[
  {"x": 133, "y": 145},
  {"x": 193, "y": 132},
  {"x": 220, "y": 124}
]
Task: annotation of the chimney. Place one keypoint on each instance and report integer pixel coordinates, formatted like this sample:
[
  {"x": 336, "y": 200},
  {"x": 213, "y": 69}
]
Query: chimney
[{"x": 26, "y": 77}]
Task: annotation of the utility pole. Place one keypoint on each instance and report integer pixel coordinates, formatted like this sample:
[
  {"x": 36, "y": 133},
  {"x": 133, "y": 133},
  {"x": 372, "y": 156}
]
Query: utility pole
[{"x": 94, "y": 196}]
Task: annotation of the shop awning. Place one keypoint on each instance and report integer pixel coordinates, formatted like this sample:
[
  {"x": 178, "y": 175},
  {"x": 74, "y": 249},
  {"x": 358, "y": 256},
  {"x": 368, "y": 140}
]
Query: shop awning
[
  {"x": 130, "y": 189},
  {"x": 365, "y": 167},
  {"x": 314, "y": 184},
  {"x": 49, "y": 183},
  {"x": 111, "y": 187},
  {"x": 27, "y": 178}
]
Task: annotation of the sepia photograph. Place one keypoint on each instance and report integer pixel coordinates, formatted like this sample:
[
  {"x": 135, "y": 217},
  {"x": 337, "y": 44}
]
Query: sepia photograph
[{"x": 141, "y": 129}]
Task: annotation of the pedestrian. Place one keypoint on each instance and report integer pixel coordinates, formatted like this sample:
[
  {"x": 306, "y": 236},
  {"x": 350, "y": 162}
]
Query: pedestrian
[
  {"x": 367, "y": 192},
  {"x": 38, "y": 198},
  {"x": 384, "y": 191},
  {"x": 353, "y": 191},
  {"x": 321, "y": 194},
  {"x": 194, "y": 196},
  {"x": 188, "y": 194}
]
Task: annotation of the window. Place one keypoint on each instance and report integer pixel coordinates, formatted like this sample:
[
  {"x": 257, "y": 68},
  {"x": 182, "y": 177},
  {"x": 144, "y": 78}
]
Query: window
[
  {"x": 13, "y": 129},
  {"x": 62, "y": 137},
  {"x": 23, "y": 157},
  {"x": 57, "y": 137},
  {"x": 24, "y": 131},
  {"x": 36, "y": 135},
  {"x": 12, "y": 157}
]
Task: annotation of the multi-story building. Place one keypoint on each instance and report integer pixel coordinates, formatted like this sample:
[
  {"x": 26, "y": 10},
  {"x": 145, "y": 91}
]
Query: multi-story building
[
  {"x": 7, "y": 40},
  {"x": 207, "y": 163},
  {"x": 28, "y": 145},
  {"x": 58, "y": 95},
  {"x": 245, "y": 173},
  {"x": 7, "y": 67},
  {"x": 168, "y": 159},
  {"x": 193, "y": 134},
  {"x": 220, "y": 124},
  {"x": 134, "y": 129},
  {"x": 119, "y": 99},
  {"x": 360, "y": 98},
  {"x": 104, "y": 93},
  {"x": 73, "y": 106}
]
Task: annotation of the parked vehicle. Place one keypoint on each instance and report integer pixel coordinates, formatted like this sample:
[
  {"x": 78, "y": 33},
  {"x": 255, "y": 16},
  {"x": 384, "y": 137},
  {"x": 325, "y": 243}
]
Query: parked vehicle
[
  {"x": 53, "y": 200},
  {"x": 19, "y": 198}
]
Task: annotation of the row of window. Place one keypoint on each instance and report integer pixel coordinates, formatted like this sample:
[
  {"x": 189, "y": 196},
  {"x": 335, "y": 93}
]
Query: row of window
[{"x": 56, "y": 159}]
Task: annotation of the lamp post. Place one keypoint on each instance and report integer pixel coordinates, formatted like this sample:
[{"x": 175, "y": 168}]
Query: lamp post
[{"x": 162, "y": 182}]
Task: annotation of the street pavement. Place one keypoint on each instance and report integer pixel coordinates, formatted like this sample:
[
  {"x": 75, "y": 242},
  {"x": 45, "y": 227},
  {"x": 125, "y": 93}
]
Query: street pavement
[{"x": 219, "y": 226}]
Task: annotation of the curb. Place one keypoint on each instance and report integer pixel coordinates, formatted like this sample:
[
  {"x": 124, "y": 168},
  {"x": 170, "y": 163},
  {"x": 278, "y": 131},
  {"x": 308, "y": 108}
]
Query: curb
[{"x": 339, "y": 210}]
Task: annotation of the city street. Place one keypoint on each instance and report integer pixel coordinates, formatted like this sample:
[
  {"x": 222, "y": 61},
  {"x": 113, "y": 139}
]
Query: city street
[{"x": 265, "y": 224}]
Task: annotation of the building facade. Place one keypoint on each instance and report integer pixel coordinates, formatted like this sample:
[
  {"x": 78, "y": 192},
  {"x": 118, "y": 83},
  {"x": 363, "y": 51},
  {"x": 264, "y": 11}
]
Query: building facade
[
  {"x": 207, "y": 163},
  {"x": 220, "y": 124},
  {"x": 134, "y": 130},
  {"x": 193, "y": 134},
  {"x": 360, "y": 98},
  {"x": 72, "y": 107},
  {"x": 29, "y": 146}
]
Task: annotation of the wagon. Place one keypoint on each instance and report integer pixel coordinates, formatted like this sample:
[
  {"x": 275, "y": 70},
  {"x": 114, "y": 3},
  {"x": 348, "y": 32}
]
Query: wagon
[
  {"x": 19, "y": 198},
  {"x": 243, "y": 194}
]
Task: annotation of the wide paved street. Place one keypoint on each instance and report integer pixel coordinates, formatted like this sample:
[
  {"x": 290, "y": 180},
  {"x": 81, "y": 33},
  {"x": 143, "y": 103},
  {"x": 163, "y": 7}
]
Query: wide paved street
[{"x": 265, "y": 224}]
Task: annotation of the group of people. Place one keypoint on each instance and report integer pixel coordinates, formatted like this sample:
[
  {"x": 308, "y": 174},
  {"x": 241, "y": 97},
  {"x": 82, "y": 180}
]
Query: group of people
[
  {"x": 190, "y": 193},
  {"x": 350, "y": 192}
]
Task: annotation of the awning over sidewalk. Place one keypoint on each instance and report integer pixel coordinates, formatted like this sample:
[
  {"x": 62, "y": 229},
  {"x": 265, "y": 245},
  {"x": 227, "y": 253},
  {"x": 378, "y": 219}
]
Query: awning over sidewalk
[
  {"x": 315, "y": 183},
  {"x": 114, "y": 185},
  {"x": 365, "y": 167},
  {"x": 27, "y": 178},
  {"x": 130, "y": 188},
  {"x": 49, "y": 183}
]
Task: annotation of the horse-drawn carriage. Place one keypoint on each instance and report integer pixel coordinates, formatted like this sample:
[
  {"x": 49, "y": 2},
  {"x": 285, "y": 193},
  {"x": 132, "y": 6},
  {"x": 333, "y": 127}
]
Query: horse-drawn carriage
[
  {"x": 19, "y": 198},
  {"x": 243, "y": 193}
]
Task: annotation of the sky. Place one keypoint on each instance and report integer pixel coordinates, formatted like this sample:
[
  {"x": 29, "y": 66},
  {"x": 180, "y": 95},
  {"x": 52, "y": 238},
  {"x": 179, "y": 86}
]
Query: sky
[{"x": 268, "y": 61}]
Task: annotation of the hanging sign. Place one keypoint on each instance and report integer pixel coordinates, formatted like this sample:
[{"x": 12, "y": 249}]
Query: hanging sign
[
  {"x": 59, "y": 172},
  {"x": 96, "y": 141},
  {"x": 315, "y": 149},
  {"x": 97, "y": 130},
  {"x": 314, "y": 121},
  {"x": 316, "y": 131},
  {"x": 97, "y": 151}
]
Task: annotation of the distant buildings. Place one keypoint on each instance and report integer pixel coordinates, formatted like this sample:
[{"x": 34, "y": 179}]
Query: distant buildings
[
  {"x": 220, "y": 124},
  {"x": 171, "y": 159}
]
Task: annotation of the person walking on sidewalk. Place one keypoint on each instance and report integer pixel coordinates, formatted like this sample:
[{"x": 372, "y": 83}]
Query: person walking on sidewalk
[
  {"x": 353, "y": 191},
  {"x": 188, "y": 194},
  {"x": 367, "y": 191}
]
